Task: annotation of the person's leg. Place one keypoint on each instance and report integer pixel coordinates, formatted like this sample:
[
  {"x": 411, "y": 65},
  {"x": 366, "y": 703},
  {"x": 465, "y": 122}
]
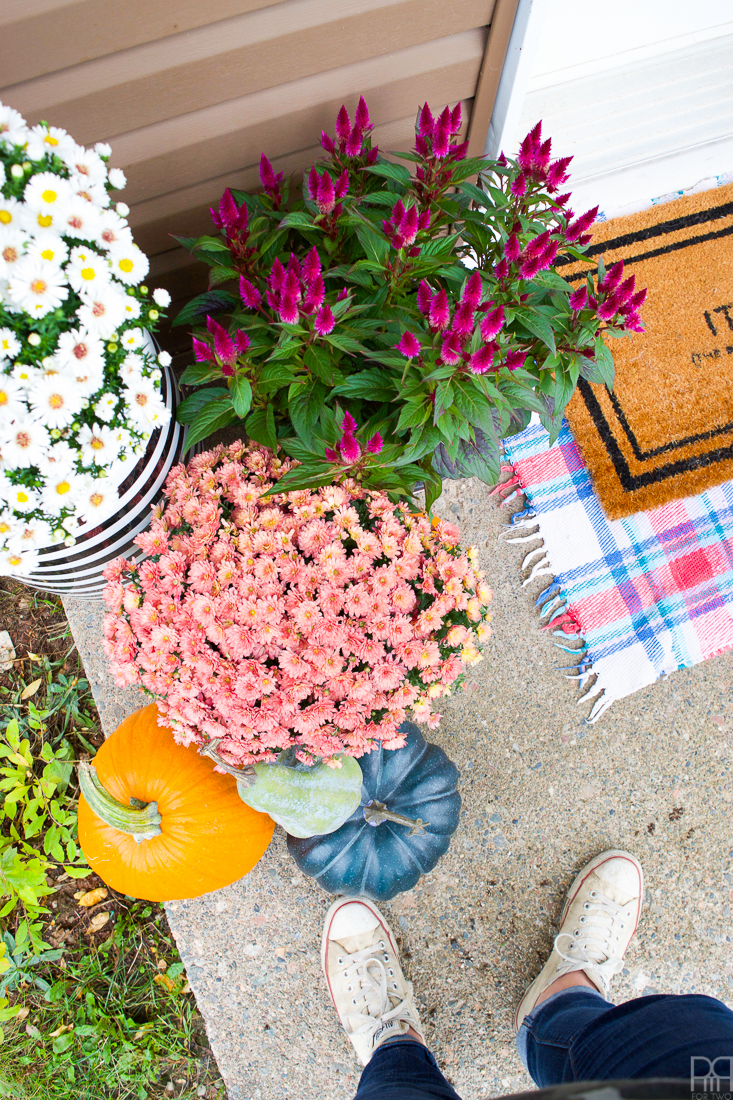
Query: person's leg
[
  {"x": 597, "y": 923},
  {"x": 570, "y": 1032},
  {"x": 403, "y": 1070},
  {"x": 375, "y": 1006}
]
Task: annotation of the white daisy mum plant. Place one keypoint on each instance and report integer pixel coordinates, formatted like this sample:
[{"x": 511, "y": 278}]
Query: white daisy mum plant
[{"x": 79, "y": 380}]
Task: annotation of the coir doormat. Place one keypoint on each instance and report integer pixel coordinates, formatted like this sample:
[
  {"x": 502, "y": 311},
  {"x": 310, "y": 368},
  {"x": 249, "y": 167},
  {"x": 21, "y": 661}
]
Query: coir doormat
[{"x": 666, "y": 430}]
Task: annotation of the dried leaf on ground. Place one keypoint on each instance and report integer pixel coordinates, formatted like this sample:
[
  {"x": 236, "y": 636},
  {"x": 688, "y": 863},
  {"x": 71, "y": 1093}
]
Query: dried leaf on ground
[
  {"x": 98, "y": 921},
  {"x": 7, "y": 651},
  {"x": 92, "y": 897},
  {"x": 165, "y": 981},
  {"x": 31, "y": 689}
]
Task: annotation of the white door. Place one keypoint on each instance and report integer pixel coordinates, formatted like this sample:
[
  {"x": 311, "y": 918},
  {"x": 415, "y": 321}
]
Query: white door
[{"x": 640, "y": 92}]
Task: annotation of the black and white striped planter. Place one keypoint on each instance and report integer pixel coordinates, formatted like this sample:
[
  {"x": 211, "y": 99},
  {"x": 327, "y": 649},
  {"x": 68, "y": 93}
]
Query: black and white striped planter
[{"x": 77, "y": 570}]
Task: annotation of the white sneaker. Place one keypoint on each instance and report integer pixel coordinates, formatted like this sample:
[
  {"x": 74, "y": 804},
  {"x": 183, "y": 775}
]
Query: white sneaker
[
  {"x": 364, "y": 976},
  {"x": 597, "y": 924}
]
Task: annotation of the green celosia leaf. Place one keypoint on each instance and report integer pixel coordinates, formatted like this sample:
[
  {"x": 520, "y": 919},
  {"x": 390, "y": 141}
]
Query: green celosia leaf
[
  {"x": 213, "y": 301},
  {"x": 240, "y": 391},
  {"x": 217, "y": 414},
  {"x": 305, "y": 401},
  {"x": 604, "y": 362},
  {"x": 260, "y": 426},
  {"x": 371, "y": 384},
  {"x": 298, "y": 219},
  {"x": 196, "y": 401},
  {"x": 538, "y": 325},
  {"x": 198, "y": 373},
  {"x": 389, "y": 171},
  {"x": 275, "y": 375}
]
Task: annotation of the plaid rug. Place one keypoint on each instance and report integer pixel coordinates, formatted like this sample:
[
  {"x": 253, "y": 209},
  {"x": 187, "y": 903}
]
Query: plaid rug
[{"x": 643, "y": 595}]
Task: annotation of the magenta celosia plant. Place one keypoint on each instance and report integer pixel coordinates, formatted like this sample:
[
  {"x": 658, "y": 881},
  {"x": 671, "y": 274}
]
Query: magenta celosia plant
[
  {"x": 315, "y": 618},
  {"x": 429, "y": 308}
]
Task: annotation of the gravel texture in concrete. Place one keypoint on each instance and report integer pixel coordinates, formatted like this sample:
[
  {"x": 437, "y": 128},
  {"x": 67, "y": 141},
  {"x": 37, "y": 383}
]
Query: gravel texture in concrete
[{"x": 542, "y": 793}]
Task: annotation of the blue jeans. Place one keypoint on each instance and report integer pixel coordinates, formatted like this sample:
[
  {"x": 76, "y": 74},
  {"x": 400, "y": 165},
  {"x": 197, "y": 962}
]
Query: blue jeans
[{"x": 576, "y": 1035}]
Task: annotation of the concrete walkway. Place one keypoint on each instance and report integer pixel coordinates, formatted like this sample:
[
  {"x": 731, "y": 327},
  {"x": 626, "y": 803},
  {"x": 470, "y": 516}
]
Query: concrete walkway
[{"x": 542, "y": 793}]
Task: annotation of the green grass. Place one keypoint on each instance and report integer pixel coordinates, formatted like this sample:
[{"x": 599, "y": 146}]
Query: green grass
[{"x": 116, "y": 1021}]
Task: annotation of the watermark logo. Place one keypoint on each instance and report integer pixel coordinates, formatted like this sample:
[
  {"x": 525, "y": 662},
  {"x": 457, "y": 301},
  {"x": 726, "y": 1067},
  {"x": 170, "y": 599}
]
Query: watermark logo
[{"x": 711, "y": 1078}]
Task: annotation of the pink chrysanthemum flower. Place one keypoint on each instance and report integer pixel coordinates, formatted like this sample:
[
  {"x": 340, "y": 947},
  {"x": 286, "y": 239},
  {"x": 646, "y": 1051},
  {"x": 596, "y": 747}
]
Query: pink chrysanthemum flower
[{"x": 263, "y": 622}]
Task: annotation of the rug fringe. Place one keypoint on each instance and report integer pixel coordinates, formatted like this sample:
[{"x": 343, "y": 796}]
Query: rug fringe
[{"x": 552, "y": 602}]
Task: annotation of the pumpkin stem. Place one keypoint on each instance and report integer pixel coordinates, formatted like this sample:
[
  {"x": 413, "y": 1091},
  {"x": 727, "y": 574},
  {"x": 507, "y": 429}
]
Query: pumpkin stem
[
  {"x": 140, "y": 820},
  {"x": 247, "y": 776},
  {"x": 376, "y": 812}
]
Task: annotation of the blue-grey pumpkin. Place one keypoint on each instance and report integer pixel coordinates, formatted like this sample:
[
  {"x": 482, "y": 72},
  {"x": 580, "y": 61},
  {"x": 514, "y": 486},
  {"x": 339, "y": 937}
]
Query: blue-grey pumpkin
[{"x": 379, "y": 860}]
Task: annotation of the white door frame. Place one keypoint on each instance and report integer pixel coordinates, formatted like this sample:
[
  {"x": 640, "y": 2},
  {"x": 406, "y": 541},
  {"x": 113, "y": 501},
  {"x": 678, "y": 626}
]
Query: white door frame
[{"x": 515, "y": 76}]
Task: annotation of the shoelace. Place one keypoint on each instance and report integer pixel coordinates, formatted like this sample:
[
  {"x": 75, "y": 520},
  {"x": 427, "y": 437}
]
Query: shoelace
[
  {"x": 374, "y": 1003},
  {"x": 597, "y": 944}
]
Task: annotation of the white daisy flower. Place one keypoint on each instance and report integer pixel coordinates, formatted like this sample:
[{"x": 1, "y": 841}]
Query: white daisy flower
[
  {"x": 46, "y": 191},
  {"x": 25, "y": 375},
  {"x": 37, "y": 286},
  {"x": 61, "y": 490},
  {"x": 57, "y": 457},
  {"x": 48, "y": 219},
  {"x": 55, "y": 400},
  {"x": 132, "y": 308},
  {"x": 18, "y": 497},
  {"x": 48, "y": 139},
  {"x": 129, "y": 264},
  {"x": 98, "y": 444},
  {"x": 48, "y": 247},
  {"x": 18, "y": 563},
  {"x": 132, "y": 367},
  {"x": 12, "y": 248},
  {"x": 164, "y": 358},
  {"x": 9, "y": 525},
  {"x": 106, "y": 407},
  {"x": 144, "y": 405},
  {"x": 12, "y": 397},
  {"x": 9, "y": 344},
  {"x": 102, "y": 310},
  {"x": 78, "y": 351},
  {"x": 132, "y": 338},
  {"x": 13, "y": 128},
  {"x": 103, "y": 149},
  {"x": 86, "y": 163},
  {"x": 25, "y": 443},
  {"x": 86, "y": 269},
  {"x": 161, "y": 297},
  {"x": 123, "y": 439},
  {"x": 122, "y": 209},
  {"x": 112, "y": 230},
  {"x": 81, "y": 219},
  {"x": 117, "y": 179},
  {"x": 97, "y": 500},
  {"x": 29, "y": 534},
  {"x": 94, "y": 193},
  {"x": 10, "y": 212}
]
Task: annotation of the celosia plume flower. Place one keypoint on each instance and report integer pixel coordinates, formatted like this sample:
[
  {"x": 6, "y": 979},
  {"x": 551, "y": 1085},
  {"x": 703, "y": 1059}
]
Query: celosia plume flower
[
  {"x": 313, "y": 618},
  {"x": 409, "y": 345},
  {"x": 270, "y": 181}
]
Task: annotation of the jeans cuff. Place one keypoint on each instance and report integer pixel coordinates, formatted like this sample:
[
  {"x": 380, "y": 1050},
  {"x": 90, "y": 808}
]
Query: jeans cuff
[
  {"x": 400, "y": 1039},
  {"x": 533, "y": 1016}
]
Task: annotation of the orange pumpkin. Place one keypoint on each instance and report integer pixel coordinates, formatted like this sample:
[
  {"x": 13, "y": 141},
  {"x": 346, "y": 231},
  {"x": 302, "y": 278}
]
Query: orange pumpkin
[{"x": 157, "y": 822}]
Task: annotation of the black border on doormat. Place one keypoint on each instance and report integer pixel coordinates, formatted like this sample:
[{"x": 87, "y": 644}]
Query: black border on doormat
[{"x": 630, "y": 482}]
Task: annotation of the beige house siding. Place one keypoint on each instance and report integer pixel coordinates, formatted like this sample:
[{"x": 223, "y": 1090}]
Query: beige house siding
[{"x": 189, "y": 94}]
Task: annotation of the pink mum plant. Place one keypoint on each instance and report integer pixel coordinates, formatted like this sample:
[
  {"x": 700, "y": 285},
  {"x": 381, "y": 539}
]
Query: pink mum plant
[{"x": 313, "y": 618}]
